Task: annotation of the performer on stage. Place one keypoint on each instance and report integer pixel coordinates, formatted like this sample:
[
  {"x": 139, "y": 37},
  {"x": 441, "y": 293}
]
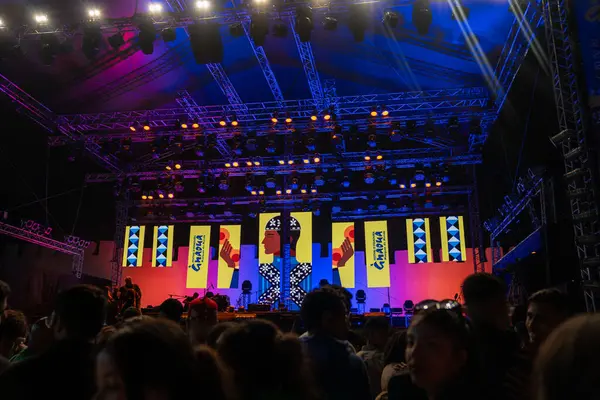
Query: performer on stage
[
  {"x": 269, "y": 279},
  {"x": 131, "y": 295}
]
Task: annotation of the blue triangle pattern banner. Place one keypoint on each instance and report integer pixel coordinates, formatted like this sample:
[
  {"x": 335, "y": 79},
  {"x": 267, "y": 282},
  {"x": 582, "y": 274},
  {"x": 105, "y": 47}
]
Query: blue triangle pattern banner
[
  {"x": 163, "y": 245},
  {"x": 453, "y": 234},
  {"x": 133, "y": 246},
  {"x": 420, "y": 241}
]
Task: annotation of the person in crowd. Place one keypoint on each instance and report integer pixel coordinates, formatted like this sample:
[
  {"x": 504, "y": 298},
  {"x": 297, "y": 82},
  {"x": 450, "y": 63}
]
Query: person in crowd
[
  {"x": 546, "y": 310},
  {"x": 4, "y": 293},
  {"x": 202, "y": 316},
  {"x": 171, "y": 309},
  {"x": 567, "y": 363},
  {"x": 394, "y": 361},
  {"x": 13, "y": 333},
  {"x": 339, "y": 373},
  {"x": 216, "y": 332},
  {"x": 377, "y": 331},
  {"x": 66, "y": 370},
  {"x": 153, "y": 359},
  {"x": 497, "y": 346},
  {"x": 39, "y": 341},
  {"x": 266, "y": 364},
  {"x": 440, "y": 358},
  {"x": 130, "y": 312}
]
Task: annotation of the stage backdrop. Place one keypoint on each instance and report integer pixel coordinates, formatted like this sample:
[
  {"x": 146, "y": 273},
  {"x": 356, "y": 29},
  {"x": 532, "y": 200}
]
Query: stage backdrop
[
  {"x": 133, "y": 248},
  {"x": 342, "y": 258},
  {"x": 452, "y": 230},
  {"x": 198, "y": 257},
  {"x": 229, "y": 256},
  {"x": 301, "y": 260},
  {"x": 269, "y": 250}
]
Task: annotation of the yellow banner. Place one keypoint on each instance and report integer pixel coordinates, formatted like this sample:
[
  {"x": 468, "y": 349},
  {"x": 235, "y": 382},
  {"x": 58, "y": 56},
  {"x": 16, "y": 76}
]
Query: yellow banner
[
  {"x": 133, "y": 248},
  {"x": 377, "y": 254},
  {"x": 229, "y": 256},
  {"x": 342, "y": 239},
  {"x": 417, "y": 239},
  {"x": 269, "y": 239},
  {"x": 452, "y": 229},
  {"x": 301, "y": 236},
  {"x": 198, "y": 257},
  {"x": 162, "y": 246}
]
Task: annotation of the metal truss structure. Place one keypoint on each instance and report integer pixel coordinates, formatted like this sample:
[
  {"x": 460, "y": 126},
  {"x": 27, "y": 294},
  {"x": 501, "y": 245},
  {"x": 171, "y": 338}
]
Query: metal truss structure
[
  {"x": 406, "y": 158},
  {"x": 572, "y": 139},
  {"x": 122, "y": 213},
  {"x": 475, "y": 228},
  {"x": 310, "y": 69},
  {"x": 47, "y": 242},
  {"x": 521, "y": 37}
]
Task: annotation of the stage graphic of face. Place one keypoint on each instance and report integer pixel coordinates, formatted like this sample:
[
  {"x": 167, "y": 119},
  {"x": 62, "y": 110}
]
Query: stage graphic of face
[
  {"x": 272, "y": 242},
  {"x": 272, "y": 238}
]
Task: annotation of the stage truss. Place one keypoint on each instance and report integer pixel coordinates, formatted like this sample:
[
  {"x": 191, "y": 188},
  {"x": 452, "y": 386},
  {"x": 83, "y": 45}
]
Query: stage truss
[{"x": 90, "y": 131}]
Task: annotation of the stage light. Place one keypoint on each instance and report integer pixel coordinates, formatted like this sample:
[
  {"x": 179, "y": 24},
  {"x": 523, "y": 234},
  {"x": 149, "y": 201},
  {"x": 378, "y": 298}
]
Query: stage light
[
  {"x": 168, "y": 167},
  {"x": 390, "y": 18},
  {"x": 224, "y": 181},
  {"x": 223, "y": 122},
  {"x": 235, "y": 164},
  {"x": 161, "y": 194},
  {"x": 413, "y": 185},
  {"x": 313, "y": 189},
  {"x": 327, "y": 116},
  {"x": 257, "y": 163},
  {"x": 317, "y": 159},
  {"x": 146, "y": 37},
  {"x": 374, "y": 113},
  {"x": 372, "y": 140},
  {"x": 290, "y": 162},
  {"x": 94, "y": 13},
  {"x": 1, "y": 23},
  {"x": 146, "y": 126},
  {"x": 358, "y": 21},
  {"x": 227, "y": 165},
  {"x": 150, "y": 196},
  {"x": 288, "y": 191},
  {"x": 402, "y": 186},
  {"x": 384, "y": 112},
  {"x": 248, "y": 163},
  {"x": 367, "y": 158},
  {"x": 304, "y": 189},
  {"x": 234, "y": 123},
  {"x": 144, "y": 196},
  {"x": 261, "y": 192},
  {"x": 177, "y": 165},
  {"x": 288, "y": 120},
  {"x": 41, "y": 19},
  {"x": 369, "y": 178},
  {"x": 393, "y": 180},
  {"x": 271, "y": 146},
  {"x": 313, "y": 117},
  {"x": 203, "y": 5},
  {"x": 155, "y": 8},
  {"x": 346, "y": 181},
  {"x": 330, "y": 23},
  {"x": 427, "y": 184},
  {"x": 280, "y": 29},
  {"x": 259, "y": 28},
  {"x": 438, "y": 183},
  {"x": 132, "y": 128},
  {"x": 253, "y": 192},
  {"x": 195, "y": 125},
  {"x": 171, "y": 195},
  {"x": 319, "y": 179},
  {"x": 274, "y": 119},
  {"x": 271, "y": 182},
  {"x": 183, "y": 125},
  {"x": 306, "y": 160},
  {"x": 304, "y": 22},
  {"x": 168, "y": 35},
  {"x": 278, "y": 192},
  {"x": 200, "y": 188},
  {"x": 281, "y": 162},
  {"x": 379, "y": 157},
  {"x": 419, "y": 175},
  {"x": 422, "y": 16}
]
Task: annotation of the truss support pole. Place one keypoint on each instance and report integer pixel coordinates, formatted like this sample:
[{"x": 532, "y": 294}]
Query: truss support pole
[
  {"x": 477, "y": 244},
  {"x": 122, "y": 210},
  {"x": 572, "y": 139},
  {"x": 310, "y": 69}
]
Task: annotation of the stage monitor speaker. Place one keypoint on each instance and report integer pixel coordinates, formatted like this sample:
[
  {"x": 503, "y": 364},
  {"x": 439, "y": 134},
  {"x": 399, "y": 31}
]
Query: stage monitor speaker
[{"x": 259, "y": 307}]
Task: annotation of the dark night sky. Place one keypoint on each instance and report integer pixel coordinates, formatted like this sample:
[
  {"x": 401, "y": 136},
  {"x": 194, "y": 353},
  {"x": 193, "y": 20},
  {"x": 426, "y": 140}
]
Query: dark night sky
[{"x": 30, "y": 171}]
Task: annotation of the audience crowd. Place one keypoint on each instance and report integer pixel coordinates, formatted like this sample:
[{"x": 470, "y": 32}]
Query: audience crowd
[{"x": 449, "y": 351}]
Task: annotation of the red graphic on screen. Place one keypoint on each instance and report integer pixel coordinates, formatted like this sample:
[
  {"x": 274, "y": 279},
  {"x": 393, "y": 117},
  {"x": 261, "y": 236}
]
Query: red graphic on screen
[
  {"x": 345, "y": 252},
  {"x": 228, "y": 254}
]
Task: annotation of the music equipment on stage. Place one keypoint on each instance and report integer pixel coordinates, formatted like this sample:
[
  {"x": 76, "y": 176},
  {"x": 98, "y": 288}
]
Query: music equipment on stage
[
  {"x": 222, "y": 301},
  {"x": 259, "y": 307}
]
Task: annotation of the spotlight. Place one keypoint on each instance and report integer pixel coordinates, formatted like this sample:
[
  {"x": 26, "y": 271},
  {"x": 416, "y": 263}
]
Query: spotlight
[
  {"x": 94, "y": 13},
  {"x": 304, "y": 22},
  {"x": 313, "y": 189},
  {"x": 195, "y": 125},
  {"x": 427, "y": 184},
  {"x": 290, "y": 162},
  {"x": 319, "y": 179},
  {"x": 422, "y": 16},
  {"x": 144, "y": 196},
  {"x": 438, "y": 182},
  {"x": 306, "y": 160},
  {"x": 234, "y": 123},
  {"x": 390, "y": 19},
  {"x": 171, "y": 195},
  {"x": 235, "y": 164},
  {"x": 330, "y": 23},
  {"x": 91, "y": 41},
  {"x": 253, "y": 192},
  {"x": 132, "y": 128},
  {"x": 367, "y": 158},
  {"x": 280, "y": 29},
  {"x": 379, "y": 157},
  {"x": 288, "y": 191},
  {"x": 281, "y": 162},
  {"x": 146, "y": 37},
  {"x": 327, "y": 115},
  {"x": 177, "y": 165},
  {"x": 202, "y": 4},
  {"x": 236, "y": 29},
  {"x": 146, "y": 126},
  {"x": 259, "y": 28},
  {"x": 169, "y": 35},
  {"x": 346, "y": 181},
  {"x": 41, "y": 19},
  {"x": 222, "y": 122},
  {"x": 304, "y": 189},
  {"x": 155, "y": 8},
  {"x": 116, "y": 40},
  {"x": 314, "y": 115},
  {"x": 261, "y": 192},
  {"x": 384, "y": 111},
  {"x": 369, "y": 178},
  {"x": 317, "y": 159},
  {"x": 278, "y": 192},
  {"x": 183, "y": 125},
  {"x": 373, "y": 113},
  {"x": 288, "y": 120},
  {"x": 358, "y": 21},
  {"x": 227, "y": 165},
  {"x": 248, "y": 163},
  {"x": 372, "y": 140}
]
